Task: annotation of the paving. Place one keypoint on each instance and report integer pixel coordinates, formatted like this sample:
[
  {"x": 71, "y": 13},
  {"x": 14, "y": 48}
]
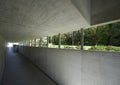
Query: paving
[{"x": 20, "y": 71}]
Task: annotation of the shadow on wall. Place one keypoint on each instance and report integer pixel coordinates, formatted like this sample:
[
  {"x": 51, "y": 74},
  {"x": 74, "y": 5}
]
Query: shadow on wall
[{"x": 2, "y": 57}]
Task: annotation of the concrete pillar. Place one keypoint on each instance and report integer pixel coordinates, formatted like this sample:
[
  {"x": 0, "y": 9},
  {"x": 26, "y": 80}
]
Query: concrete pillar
[
  {"x": 82, "y": 39},
  {"x": 26, "y": 43},
  {"x": 47, "y": 41},
  {"x": 40, "y": 42},
  {"x": 22, "y": 43},
  {"x": 51, "y": 40},
  {"x": 34, "y": 42},
  {"x": 59, "y": 45},
  {"x": 72, "y": 38},
  {"x": 30, "y": 44}
]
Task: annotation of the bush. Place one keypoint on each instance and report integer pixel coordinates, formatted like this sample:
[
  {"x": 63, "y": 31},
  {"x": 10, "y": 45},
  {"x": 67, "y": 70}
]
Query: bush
[
  {"x": 97, "y": 48},
  {"x": 69, "y": 47},
  {"x": 107, "y": 48},
  {"x": 77, "y": 47},
  {"x": 113, "y": 48}
]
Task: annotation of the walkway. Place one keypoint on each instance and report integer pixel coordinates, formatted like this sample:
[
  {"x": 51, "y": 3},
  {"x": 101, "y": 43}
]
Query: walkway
[{"x": 19, "y": 71}]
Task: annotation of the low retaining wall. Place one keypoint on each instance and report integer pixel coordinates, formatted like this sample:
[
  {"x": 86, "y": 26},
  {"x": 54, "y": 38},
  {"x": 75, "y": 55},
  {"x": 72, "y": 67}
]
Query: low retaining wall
[{"x": 73, "y": 67}]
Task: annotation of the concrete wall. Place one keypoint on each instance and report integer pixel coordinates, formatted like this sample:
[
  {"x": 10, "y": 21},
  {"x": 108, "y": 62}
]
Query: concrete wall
[
  {"x": 71, "y": 67},
  {"x": 2, "y": 56}
]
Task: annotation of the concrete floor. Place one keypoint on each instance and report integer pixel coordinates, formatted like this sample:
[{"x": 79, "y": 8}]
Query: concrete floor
[{"x": 19, "y": 71}]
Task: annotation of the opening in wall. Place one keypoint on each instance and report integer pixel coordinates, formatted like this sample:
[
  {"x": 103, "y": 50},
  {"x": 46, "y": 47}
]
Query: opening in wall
[{"x": 11, "y": 44}]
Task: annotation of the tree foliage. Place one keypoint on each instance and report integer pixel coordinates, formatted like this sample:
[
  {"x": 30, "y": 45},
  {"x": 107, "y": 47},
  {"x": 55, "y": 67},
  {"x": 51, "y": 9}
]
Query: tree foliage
[{"x": 101, "y": 35}]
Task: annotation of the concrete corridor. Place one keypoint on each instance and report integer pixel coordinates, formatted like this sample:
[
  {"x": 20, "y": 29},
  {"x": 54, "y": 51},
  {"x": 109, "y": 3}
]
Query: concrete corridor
[{"x": 19, "y": 71}]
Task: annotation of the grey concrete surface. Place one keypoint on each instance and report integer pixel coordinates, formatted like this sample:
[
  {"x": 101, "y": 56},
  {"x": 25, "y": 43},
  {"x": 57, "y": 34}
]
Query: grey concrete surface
[
  {"x": 19, "y": 71},
  {"x": 104, "y": 11},
  {"x": 29, "y": 19},
  {"x": 72, "y": 67},
  {"x": 84, "y": 7},
  {"x": 35, "y": 18},
  {"x": 2, "y": 57}
]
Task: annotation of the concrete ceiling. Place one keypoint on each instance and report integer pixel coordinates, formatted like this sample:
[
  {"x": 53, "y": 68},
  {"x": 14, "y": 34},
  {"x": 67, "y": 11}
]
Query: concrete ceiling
[{"x": 28, "y": 19}]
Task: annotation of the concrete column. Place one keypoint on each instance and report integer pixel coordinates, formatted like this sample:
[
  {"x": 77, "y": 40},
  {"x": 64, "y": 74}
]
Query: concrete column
[
  {"x": 59, "y": 45},
  {"x": 51, "y": 39},
  {"x": 30, "y": 43},
  {"x": 22, "y": 43},
  {"x": 47, "y": 41},
  {"x": 34, "y": 42},
  {"x": 26, "y": 43},
  {"x": 82, "y": 39},
  {"x": 72, "y": 38},
  {"x": 40, "y": 45}
]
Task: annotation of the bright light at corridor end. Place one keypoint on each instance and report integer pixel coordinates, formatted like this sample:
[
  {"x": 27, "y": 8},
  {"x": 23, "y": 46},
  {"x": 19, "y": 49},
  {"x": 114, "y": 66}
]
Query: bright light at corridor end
[{"x": 11, "y": 44}]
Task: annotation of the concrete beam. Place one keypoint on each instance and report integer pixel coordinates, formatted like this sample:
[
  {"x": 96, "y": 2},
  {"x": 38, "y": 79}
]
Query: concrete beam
[{"x": 103, "y": 11}]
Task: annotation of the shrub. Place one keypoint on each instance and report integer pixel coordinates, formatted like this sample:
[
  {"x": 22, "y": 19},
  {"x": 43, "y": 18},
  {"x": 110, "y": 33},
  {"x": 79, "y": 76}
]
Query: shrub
[
  {"x": 107, "y": 48},
  {"x": 113, "y": 48},
  {"x": 97, "y": 48}
]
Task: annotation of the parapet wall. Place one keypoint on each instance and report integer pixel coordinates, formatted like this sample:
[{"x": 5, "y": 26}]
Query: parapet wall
[{"x": 74, "y": 67}]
